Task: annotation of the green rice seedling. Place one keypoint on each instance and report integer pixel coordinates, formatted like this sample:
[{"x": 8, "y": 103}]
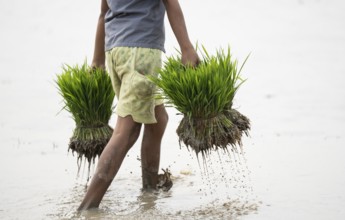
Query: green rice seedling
[
  {"x": 204, "y": 95},
  {"x": 88, "y": 95}
]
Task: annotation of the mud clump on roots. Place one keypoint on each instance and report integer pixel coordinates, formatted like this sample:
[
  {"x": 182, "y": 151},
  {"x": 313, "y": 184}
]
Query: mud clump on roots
[
  {"x": 241, "y": 121},
  {"x": 203, "y": 135},
  {"x": 89, "y": 142}
]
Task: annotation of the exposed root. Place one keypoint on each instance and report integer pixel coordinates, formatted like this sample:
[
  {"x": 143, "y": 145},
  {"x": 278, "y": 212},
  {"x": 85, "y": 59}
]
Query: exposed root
[
  {"x": 219, "y": 132},
  {"x": 89, "y": 142}
]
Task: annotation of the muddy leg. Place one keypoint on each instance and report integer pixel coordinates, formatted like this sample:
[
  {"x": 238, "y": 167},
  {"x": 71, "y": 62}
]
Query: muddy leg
[
  {"x": 150, "y": 148},
  {"x": 124, "y": 136}
]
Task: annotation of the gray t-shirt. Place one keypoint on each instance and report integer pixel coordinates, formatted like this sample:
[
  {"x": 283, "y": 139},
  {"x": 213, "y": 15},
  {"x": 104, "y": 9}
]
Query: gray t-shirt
[{"x": 135, "y": 23}]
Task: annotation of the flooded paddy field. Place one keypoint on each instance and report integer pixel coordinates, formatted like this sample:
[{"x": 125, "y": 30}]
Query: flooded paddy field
[{"x": 292, "y": 166}]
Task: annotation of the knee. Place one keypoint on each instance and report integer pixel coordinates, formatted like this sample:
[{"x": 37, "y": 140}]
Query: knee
[
  {"x": 165, "y": 118},
  {"x": 162, "y": 115},
  {"x": 133, "y": 137},
  {"x": 125, "y": 137}
]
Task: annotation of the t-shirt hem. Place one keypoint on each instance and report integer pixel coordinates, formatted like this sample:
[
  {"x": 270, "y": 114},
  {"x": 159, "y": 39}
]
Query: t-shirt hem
[{"x": 139, "y": 44}]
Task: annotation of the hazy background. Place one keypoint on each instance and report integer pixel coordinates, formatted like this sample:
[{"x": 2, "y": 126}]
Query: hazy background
[{"x": 294, "y": 96}]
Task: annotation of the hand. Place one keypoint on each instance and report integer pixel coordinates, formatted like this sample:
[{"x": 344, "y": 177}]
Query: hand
[
  {"x": 95, "y": 65},
  {"x": 190, "y": 57}
]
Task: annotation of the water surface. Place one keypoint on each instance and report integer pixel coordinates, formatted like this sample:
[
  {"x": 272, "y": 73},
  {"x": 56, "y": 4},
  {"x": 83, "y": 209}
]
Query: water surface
[{"x": 293, "y": 166}]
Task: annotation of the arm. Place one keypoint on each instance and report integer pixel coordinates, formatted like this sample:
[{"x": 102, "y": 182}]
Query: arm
[
  {"x": 178, "y": 25},
  {"x": 98, "y": 54}
]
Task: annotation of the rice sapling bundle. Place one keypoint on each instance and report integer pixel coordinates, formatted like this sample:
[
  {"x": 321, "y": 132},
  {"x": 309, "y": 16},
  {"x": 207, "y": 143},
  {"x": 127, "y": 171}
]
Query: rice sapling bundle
[
  {"x": 204, "y": 95},
  {"x": 88, "y": 95}
]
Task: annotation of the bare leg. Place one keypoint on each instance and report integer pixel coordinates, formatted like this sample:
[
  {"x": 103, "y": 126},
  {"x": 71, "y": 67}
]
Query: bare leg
[
  {"x": 124, "y": 136},
  {"x": 150, "y": 148}
]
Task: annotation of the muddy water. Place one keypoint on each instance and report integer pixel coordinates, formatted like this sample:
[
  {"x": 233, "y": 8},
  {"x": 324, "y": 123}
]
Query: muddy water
[
  {"x": 293, "y": 166},
  {"x": 42, "y": 182}
]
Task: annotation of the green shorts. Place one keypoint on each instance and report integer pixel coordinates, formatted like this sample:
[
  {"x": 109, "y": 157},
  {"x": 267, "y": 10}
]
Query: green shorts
[{"x": 128, "y": 68}]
